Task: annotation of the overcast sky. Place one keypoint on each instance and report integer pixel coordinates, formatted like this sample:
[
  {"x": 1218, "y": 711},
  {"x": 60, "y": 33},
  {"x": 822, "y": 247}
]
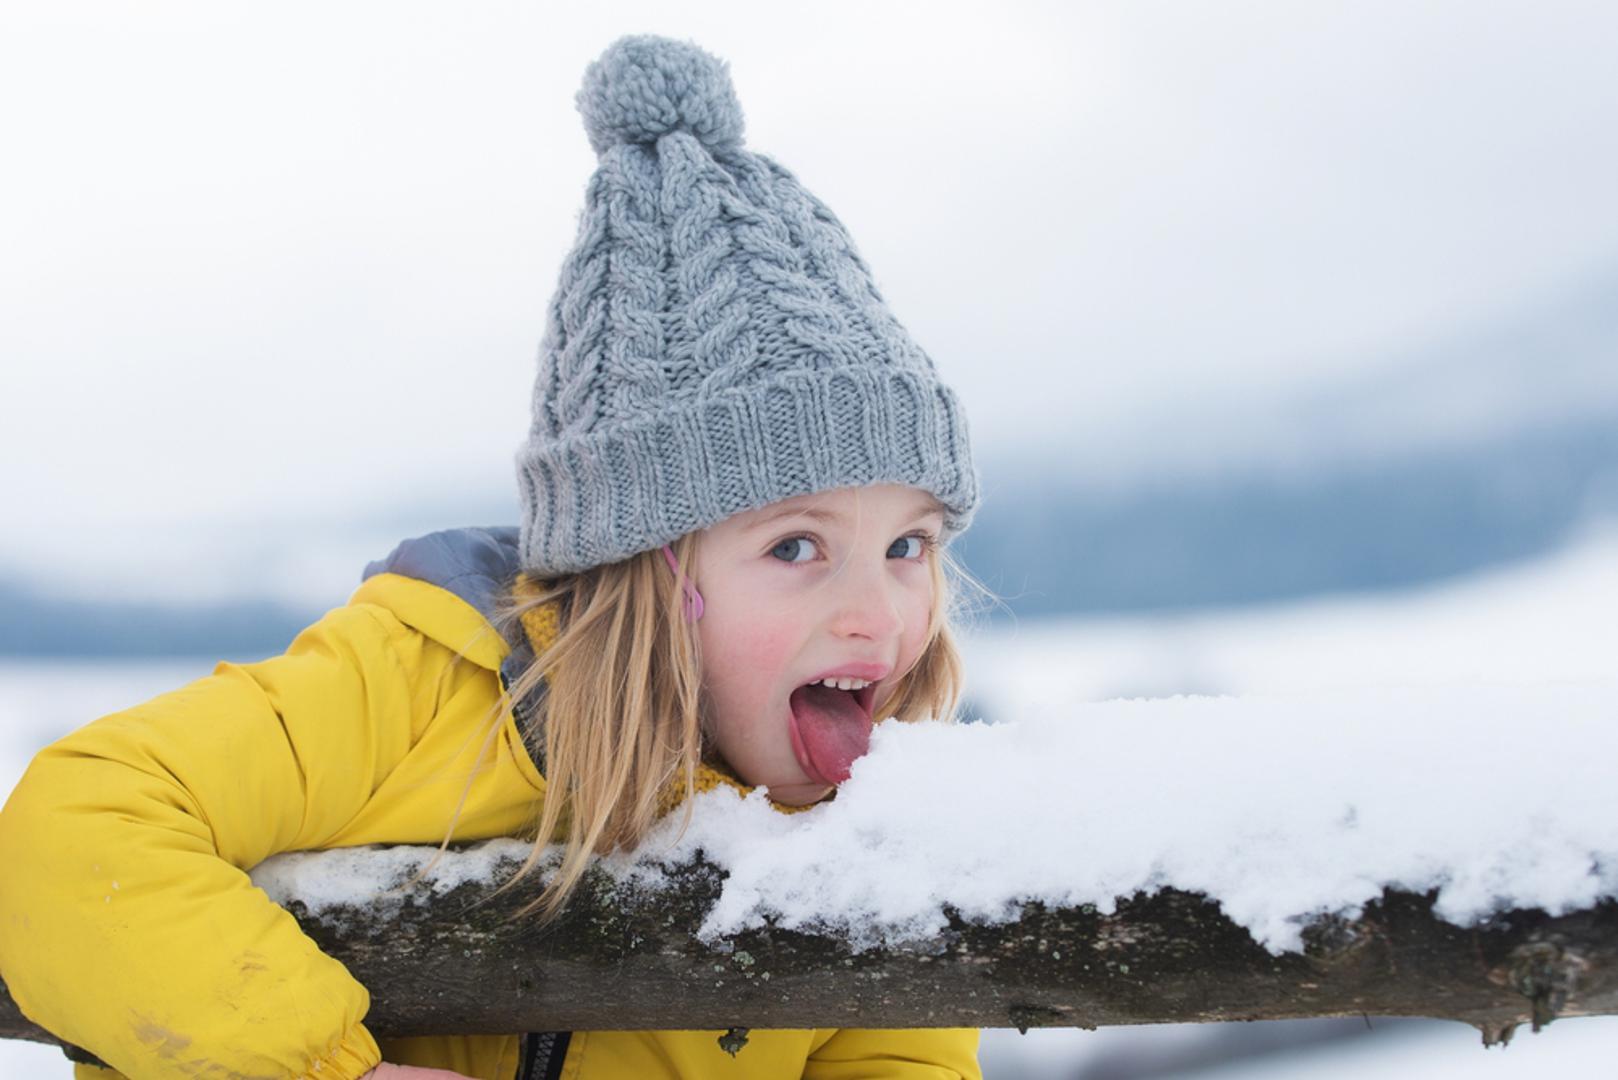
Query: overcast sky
[{"x": 262, "y": 260}]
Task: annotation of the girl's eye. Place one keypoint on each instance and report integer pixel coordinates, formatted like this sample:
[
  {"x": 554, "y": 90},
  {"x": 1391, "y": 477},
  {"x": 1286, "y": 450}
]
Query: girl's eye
[
  {"x": 800, "y": 549},
  {"x": 913, "y": 546},
  {"x": 789, "y": 549}
]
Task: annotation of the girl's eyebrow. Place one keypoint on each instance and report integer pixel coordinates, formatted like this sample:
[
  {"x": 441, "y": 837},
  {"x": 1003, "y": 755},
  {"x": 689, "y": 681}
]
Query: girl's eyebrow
[{"x": 922, "y": 508}]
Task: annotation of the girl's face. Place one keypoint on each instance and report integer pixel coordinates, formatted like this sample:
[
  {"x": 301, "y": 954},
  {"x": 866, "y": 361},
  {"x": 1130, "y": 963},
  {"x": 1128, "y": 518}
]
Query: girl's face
[{"x": 831, "y": 584}]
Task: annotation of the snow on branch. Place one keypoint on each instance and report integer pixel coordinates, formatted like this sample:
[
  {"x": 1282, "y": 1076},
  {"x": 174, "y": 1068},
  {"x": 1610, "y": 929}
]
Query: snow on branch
[
  {"x": 1443, "y": 853},
  {"x": 627, "y": 956}
]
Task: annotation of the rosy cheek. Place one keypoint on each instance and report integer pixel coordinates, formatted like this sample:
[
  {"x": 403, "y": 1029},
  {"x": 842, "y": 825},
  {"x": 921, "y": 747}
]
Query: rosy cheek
[
  {"x": 745, "y": 655},
  {"x": 769, "y": 647},
  {"x": 915, "y": 633}
]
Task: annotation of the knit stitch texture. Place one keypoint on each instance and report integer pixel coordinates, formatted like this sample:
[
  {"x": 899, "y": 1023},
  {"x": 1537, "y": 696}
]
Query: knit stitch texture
[{"x": 715, "y": 342}]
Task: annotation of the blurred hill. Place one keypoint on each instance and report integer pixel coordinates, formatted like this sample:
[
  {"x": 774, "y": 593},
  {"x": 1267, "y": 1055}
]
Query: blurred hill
[
  {"x": 1494, "y": 446},
  {"x": 37, "y": 624},
  {"x": 1260, "y": 534}
]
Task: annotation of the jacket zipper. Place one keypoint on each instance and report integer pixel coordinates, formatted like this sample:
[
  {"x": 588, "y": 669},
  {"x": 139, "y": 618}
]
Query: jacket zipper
[{"x": 543, "y": 1053}]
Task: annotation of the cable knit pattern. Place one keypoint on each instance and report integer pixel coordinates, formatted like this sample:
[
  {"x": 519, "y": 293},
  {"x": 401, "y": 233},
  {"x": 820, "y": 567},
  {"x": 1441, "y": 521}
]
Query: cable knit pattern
[{"x": 715, "y": 342}]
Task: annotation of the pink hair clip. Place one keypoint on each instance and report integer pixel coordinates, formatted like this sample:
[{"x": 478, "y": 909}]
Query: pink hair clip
[{"x": 693, "y": 599}]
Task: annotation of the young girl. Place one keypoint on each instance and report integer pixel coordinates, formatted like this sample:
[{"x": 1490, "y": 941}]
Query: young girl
[{"x": 735, "y": 490}]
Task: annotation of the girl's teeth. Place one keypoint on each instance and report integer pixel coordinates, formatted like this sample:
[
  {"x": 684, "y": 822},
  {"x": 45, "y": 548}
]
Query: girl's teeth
[{"x": 845, "y": 684}]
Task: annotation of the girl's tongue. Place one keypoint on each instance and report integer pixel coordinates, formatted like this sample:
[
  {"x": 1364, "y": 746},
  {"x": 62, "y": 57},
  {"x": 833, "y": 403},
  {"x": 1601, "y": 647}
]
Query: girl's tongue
[{"x": 829, "y": 730}]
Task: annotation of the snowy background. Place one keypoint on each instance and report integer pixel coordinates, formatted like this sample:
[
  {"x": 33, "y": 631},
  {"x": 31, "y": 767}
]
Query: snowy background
[
  {"x": 1288, "y": 336},
  {"x": 1537, "y": 628}
]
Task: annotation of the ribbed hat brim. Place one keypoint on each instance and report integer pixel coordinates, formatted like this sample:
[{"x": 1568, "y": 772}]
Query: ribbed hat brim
[{"x": 676, "y": 470}]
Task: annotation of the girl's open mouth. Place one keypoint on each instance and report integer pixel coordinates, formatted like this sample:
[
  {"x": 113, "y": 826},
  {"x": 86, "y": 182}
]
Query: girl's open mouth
[{"x": 830, "y": 729}]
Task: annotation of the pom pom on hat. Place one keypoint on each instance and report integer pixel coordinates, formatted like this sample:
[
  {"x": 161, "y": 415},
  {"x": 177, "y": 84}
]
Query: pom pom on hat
[{"x": 644, "y": 86}]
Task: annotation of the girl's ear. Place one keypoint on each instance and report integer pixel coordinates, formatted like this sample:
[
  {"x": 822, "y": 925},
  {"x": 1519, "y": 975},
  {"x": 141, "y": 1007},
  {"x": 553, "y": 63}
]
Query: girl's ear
[{"x": 693, "y": 599}]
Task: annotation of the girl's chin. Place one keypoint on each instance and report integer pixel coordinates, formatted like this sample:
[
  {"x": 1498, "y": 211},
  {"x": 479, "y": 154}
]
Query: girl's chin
[{"x": 799, "y": 794}]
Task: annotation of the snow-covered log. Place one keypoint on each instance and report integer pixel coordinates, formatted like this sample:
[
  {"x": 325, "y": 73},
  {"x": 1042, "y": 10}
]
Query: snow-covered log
[
  {"x": 1441, "y": 852},
  {"x": 628, "y": 956}
]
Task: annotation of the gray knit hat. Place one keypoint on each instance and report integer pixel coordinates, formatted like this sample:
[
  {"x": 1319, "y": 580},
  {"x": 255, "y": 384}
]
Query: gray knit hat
[{"x": 715, "y": 343}]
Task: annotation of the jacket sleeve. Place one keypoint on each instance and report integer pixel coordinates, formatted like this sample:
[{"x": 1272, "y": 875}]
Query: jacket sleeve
[
  {"x": 907, "y": 1054},
  {"x": 128, "y": 925}
]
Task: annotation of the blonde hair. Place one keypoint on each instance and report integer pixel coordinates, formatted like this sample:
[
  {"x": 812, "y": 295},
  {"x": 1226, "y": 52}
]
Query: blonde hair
[{"x": 620, "y": 719}]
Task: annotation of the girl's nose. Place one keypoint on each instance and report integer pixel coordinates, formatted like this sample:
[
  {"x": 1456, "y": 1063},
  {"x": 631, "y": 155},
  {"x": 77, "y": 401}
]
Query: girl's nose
[{"x": 867, "y": 602}]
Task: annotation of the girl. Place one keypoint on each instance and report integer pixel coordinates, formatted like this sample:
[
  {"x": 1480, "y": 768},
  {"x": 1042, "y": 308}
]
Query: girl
[{"x": 735, "y": 491}]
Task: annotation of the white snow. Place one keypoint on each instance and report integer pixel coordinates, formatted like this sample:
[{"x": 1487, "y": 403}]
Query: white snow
[
  {"x": 1555, "y": 618},
  {"x": 1278, "y": 807},
  {"x": 1406, "y": 1049},
  {"x": 380, "y": 876}
]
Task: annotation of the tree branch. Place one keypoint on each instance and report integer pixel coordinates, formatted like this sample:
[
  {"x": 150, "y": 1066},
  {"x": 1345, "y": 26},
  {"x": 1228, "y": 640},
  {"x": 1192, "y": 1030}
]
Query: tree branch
[{"x": 461, "y": 962}]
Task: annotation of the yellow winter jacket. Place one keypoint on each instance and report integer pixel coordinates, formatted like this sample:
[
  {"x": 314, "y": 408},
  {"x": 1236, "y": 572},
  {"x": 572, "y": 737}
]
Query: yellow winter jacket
[{"x": 128, "y": 925}]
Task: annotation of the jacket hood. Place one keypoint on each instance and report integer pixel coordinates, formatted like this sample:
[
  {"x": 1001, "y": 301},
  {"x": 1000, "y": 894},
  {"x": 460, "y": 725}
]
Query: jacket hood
[{"x": 448, "y": 584}]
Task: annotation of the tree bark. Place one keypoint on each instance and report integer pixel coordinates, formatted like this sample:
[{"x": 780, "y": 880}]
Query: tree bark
[{"x": 463, "y": 962}]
